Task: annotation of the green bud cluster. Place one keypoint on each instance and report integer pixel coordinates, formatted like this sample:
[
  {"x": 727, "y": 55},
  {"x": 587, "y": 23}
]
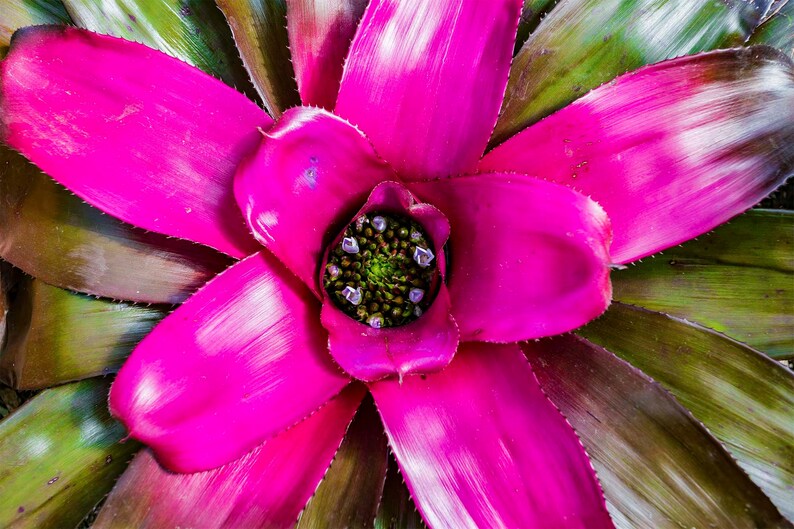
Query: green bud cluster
[{"x": 373, "y": 278}]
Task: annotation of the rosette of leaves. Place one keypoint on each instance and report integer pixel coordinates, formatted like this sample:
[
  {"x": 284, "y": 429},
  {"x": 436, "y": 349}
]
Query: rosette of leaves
[{"x": 679, "y": 392}]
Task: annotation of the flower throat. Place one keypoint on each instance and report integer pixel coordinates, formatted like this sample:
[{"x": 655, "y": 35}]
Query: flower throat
[{"x": 383, "y": 271}]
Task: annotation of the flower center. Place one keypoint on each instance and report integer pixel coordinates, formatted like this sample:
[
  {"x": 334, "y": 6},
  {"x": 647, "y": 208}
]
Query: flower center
[{"x": 383, "y": 270}]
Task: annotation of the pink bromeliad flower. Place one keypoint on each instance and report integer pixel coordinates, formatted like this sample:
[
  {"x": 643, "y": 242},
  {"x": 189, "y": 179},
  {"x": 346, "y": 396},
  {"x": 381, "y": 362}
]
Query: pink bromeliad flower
[{"x": 382, "y": 246}]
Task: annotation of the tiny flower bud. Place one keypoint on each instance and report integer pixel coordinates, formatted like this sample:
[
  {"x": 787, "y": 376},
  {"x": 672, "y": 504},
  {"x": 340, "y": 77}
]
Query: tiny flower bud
[
  {"x": 353, "y": 295},
  {"x": 379, "y": 223},
  {"x": 350, "y": 245},
  {"x": 416, "y": 295},
  {"x": 423, "y": 256}
]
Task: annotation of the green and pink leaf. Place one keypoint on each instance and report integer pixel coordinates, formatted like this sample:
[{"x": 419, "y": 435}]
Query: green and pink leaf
[
  {"x": 658, "y": 466},
  {"x": 61, "y": 455},
  {"x": 56, "y": 336},
  {"x": 744, "y": 398}
]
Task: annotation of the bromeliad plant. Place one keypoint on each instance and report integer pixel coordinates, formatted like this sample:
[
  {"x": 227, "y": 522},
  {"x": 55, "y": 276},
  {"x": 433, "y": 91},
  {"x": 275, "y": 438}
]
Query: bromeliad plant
[{"x": 395, "y": 233}]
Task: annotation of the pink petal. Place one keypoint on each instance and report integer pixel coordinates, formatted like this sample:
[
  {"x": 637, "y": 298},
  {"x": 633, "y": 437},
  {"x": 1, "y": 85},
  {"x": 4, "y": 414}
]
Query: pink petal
[
  {"x": 671, "y": 150},
  {"x": 528, "y": 258},
  {"x": 310, "y": 174},
  {"x": 241, "y": 360},
  {"x": 136, "y": 133},
  {"x": 424, "y": 80},
  {"x": 480, "y": 445},
  {"x": 425, "y": 345},
  {"x": 320, "y": 32},
  {"x": 267, "y": 487}
]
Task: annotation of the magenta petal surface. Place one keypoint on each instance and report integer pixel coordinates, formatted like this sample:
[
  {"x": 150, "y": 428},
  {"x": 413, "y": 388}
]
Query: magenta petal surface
[
  {"x": 241, "y": 360},
  {"x": 134, "y": 132},
  {"x": 320, "y": 32},
  {"x": 480, "y": 445},
  {"x": 529, "y": 258},
  {"x": 267, "y": 487},
  {"x": 425, "y": 345},
  {"x": 672, "y": 150},
  {"x": 310, "y": 174},
  {"x": 422, "y": 346},
  {"x": 424, "y": 80}
]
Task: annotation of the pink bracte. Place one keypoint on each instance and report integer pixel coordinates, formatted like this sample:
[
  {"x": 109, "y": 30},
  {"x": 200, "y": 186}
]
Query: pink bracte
[
  {"x": 672, "y": 150},
  {"x": 242, "y": 377},
  {"x": 132, "y": 119},
  {"x": 264, "y": 488},
  {"x": 320, "y": 32}
]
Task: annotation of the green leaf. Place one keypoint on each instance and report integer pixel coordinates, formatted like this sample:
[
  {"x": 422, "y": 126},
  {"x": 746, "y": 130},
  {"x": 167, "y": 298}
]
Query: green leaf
[
  {"x": 55, "y": 335},
  {"x": 745, "y": 399},
  {"x": 657, "y": 465},
  {"x": 15, "y": 14},
  {"x": 191, "y": 30},
  {"x": 777, "y": 28},
  {"x": 531, "y": 15},
  {"x": 61, "y": 455},
  {"x": 397, "y": 509},
  {"x": 260, "y": 31},
  {"x": 738, "y": 280},
  {"x": 582, "y": 44},
  {"x": 53, "y": 235},
  {"x": 350, "y": 492}
]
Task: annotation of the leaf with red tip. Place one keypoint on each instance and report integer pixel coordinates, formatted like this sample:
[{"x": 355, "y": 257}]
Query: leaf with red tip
[
  {"x": 20, "y": 13},
  {"x": 191, "y": 30},
  {"x": 480, "y": 445},
  {"x": 260, "y": 32},
  {"x": 584, "y": 43},
  {"x": 424, "y": 80},
  {"x": 351, "y": 489},
  {"x": 60, "y": 455},
  {"x": 320, "y": 32},
  {"x": 658, "y": 466},
  {"x": 267, "y": 487},
  {"x": 672, "y": 150},
  {"x": 744, "y": 398},
  {"x": 55, "y": 336},
  {"x": 777, "y": 28},
  {"x": 529, "y": 258},
  {"x": 53, "y": 235},
  {"x": 136, "y": 133},
  {"x": 738, "y": 280},
  {"x": 240, "y": 361}
]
